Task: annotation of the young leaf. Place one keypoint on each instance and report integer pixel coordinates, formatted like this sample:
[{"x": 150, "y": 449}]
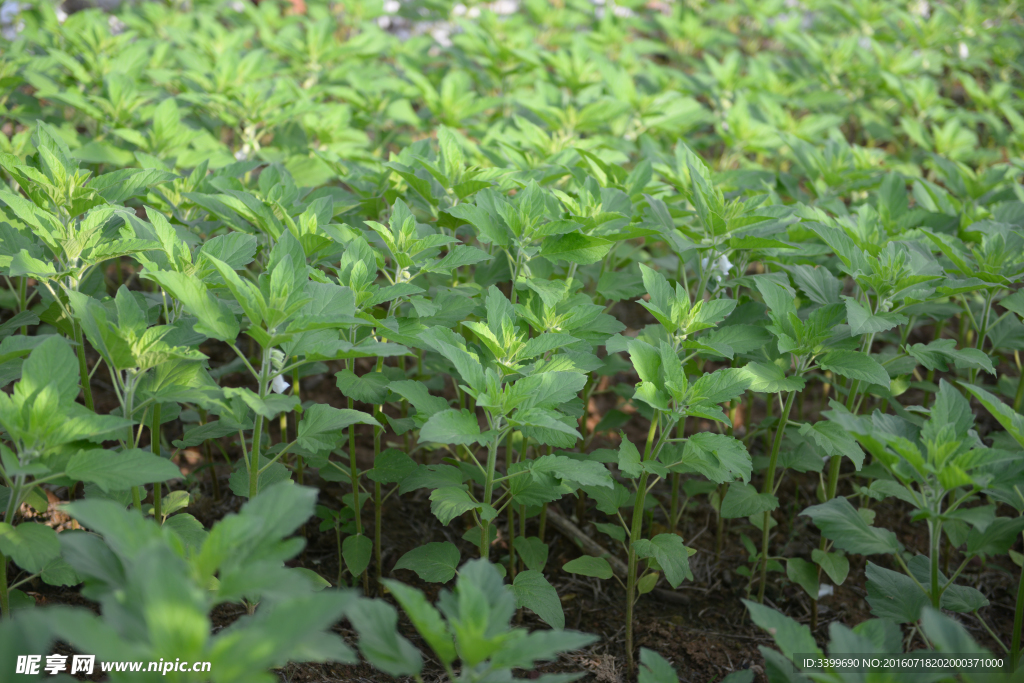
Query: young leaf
[
  {"x": 534, "y": 592},
  {"x": 589, "y": 566},
  {"x": 357, "y": 550},
  {"x": 840, "y": 523},
  {"x": 433, "y": 562}
]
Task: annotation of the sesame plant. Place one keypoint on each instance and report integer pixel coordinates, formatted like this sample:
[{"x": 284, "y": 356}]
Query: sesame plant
[{"x": 538, "y": 306}]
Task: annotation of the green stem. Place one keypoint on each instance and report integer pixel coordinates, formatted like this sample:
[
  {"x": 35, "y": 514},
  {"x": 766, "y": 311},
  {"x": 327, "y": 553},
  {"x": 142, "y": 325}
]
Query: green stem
[
  {"x": 769, "y": 487},
  {"x": 154, "y": 435},
  {"x": 492, "y": 463},
  {"x": 378, "y": 504},
  {"x": 511, "y": 515},
  {"x": 83, "y": 367},
  {"x": 634, "y": 536},
  {"x": 257, "y": 430},
  {"x": 933, "y": 552}
]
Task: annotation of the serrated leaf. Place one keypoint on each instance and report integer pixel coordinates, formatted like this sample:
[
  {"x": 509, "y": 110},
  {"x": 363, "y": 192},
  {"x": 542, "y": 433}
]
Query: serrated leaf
[
  {"x": 840, "y": 523},
  {"x": 855, "y": 365}
]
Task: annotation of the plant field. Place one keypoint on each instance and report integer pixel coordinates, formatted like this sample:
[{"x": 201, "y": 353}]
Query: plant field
[{"x": 540, "y": 340}]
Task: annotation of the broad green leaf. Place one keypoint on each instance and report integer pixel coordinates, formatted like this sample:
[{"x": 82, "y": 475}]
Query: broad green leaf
[
  {"x": 433, "y": 562},
  {"x": 357, "y": 550},
  {"x": 804, "y": 574},
  {"x": 533, "y": 551},
  {"x": 743, "y": 500},
  {"x": 840, "y": 523},
  {"x": 451, "y": 501},
  {"x": 855, "y": 365},
  {"x": 671, "y": 555},
  {"x": 118, "y": 471},
  {"x": 32, "y": 546},
  {"x": 589, "y": 566},
  {"x": 834, "y": 440},
  {"x": 655, "y": 669},
  {"x": 534, "y": 592},
  {"x": 718, "y": 457},
  {"x": 451, "y": 426},
  {"x": 893, "y": 595},
  {"x": 834, "y": 563},
  {"x": 571, "y": 470},
  {"x": 322, "y": 426},
  {"x": 770, "y": 379}
]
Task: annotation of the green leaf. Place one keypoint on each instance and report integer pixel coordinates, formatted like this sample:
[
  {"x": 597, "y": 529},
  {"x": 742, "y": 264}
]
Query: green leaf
[
  {"x": 589, "y": 566},
  {"x": 629, "y": 458},
  {"x": 379, "y": 640},
  {"x": 834, "y": 440},
  {"x": 893, "y": 595},
  {"x": 369, "y": 388},
  {"x": 743, "y": 500},
  {"x": 32, "y": 546},
  {"x": 655, "y": 669},
  {"x": 118, "y": 471},
  {"x": 791, "y": 637},
  {"x": 118, "y": 186},
  {"x": 770, "y": 379},
  {"x": 1011, "y": 421},
  {"x": 534, "y": 592},
  {"x": 835, "y": 564},
  {"x": 840, "y": 523},
  {"x": 322, "y": 426},
  {"x": 215, "y": 317},
  {"x": 451, "y": 501},
  {"x": 576, "y": 248},
  {"x": 997, "y": 538},
  {"x": 573, "y": 471},
  {"x": 451, "y": 426},
  {"x": 425, "y": 619},
  {"x": 357, "y": 551},
  {"x": 938, "y": 354},
  {"x": 433, "y": 562},
  {"x": 533, "y": 551},
  {"x": 718, "y": 457},
  {"x": 391, "y": 467},
  {"x": 670, "y": 554},
  {"x": 863, "y": 321},
  {"x": 804, "y": 574},
  {"x": 855, "y": 365}
]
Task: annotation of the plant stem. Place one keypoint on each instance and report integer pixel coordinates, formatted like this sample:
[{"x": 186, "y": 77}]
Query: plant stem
[
  {"x": 83, "y": 367},
  {"x": 933, "y": 552},
  {"x": 634, "y": 536},
  {"x": 377, "y": 502},
  {"x": 492, "y": 462},
  {"x": 154, "y": 435},
  {"x": 257, "y": 430},
  {"x": 769, "y": 487}
]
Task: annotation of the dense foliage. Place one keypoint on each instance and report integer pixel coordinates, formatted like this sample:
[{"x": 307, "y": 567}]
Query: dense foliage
[{"x": 628, "y": 255}]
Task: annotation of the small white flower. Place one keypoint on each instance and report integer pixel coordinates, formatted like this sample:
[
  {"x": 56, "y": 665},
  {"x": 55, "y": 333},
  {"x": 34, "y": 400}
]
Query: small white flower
[
  {"x": 237, "y": 6},
  {"x": 964, "y": 52},
  {"x": 279, "y": 386},
  {"x": 825, "y": 590},
  {"x": 723, "y": 265},
  {"x": 473, "y": 12},
  {"x": 62, "y": 16},
  {"x": 458, "y": 9},
  {"x": 240, "y": 155},
  {"x": 622, "y": 12},
  {"x": 921, "y": 8},
  {"x": 383, "y": 22},
  {"x": 116, "y": 25},
  {"x": 392, "y": 6},
  {"x": 864, "y": 43}
]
